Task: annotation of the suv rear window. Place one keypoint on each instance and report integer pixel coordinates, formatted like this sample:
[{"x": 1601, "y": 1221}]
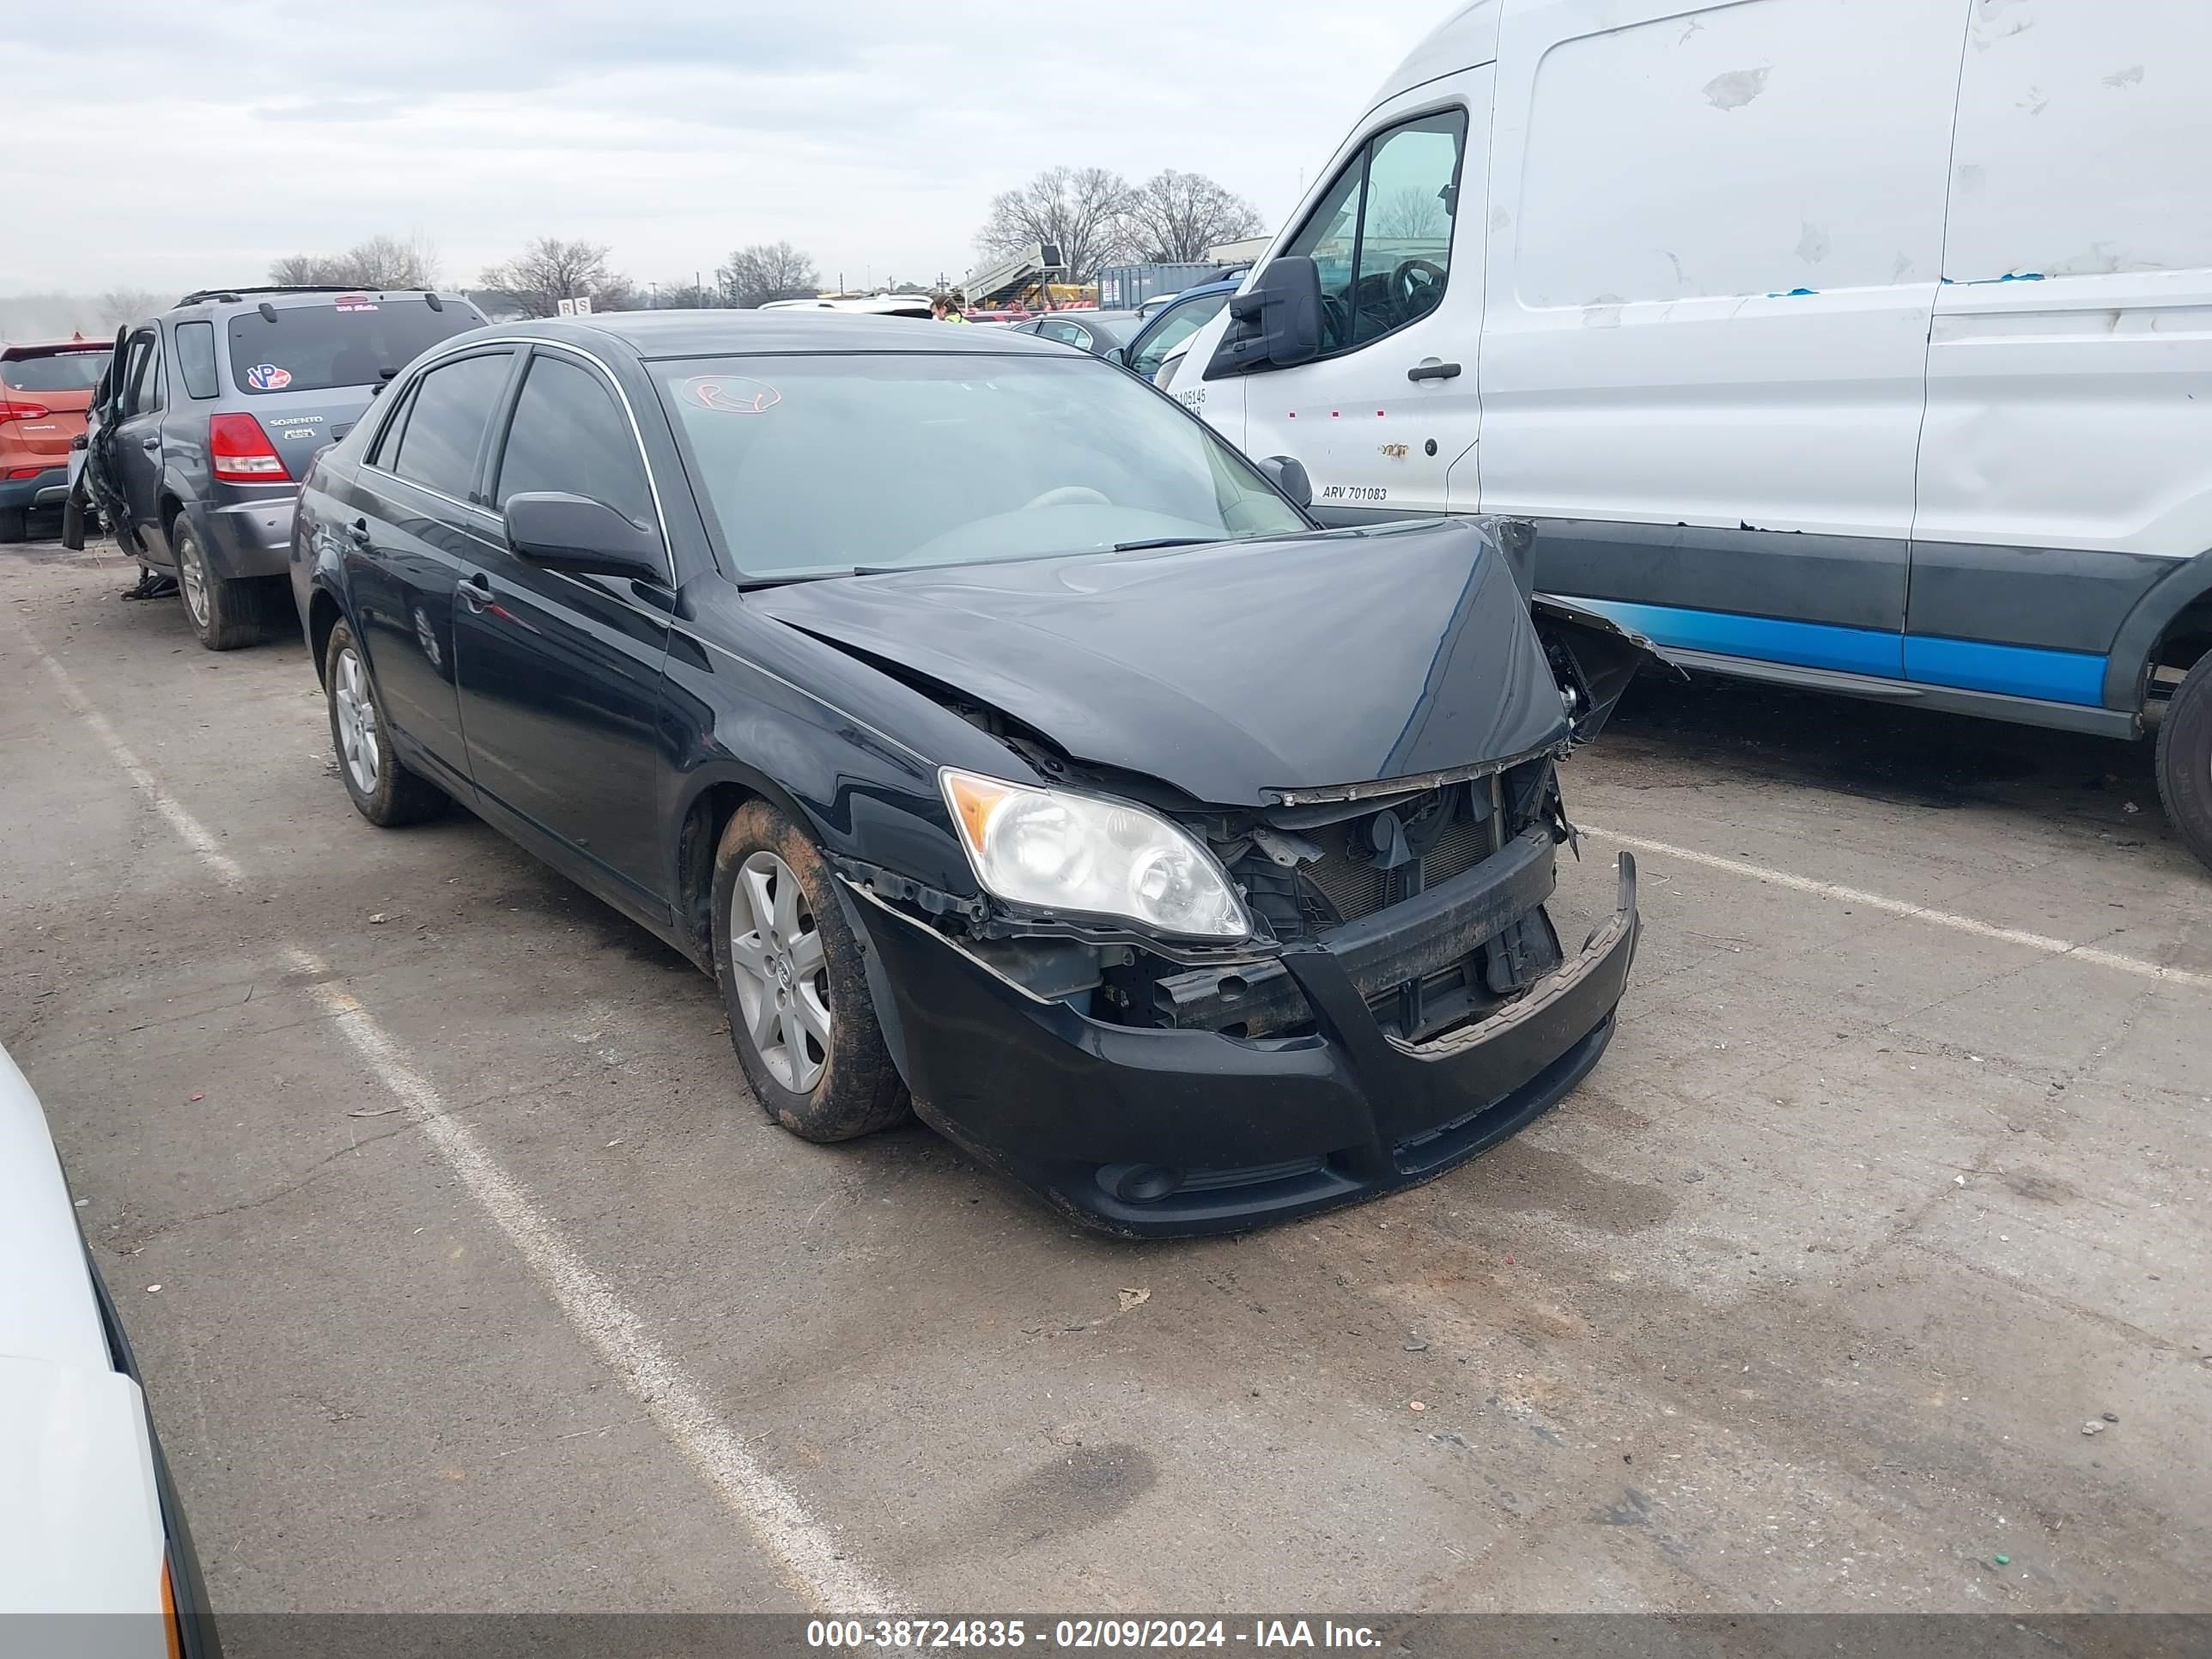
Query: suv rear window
[
  {"x": 348, "y": 342},
  {"x": 59, "y": 371}
]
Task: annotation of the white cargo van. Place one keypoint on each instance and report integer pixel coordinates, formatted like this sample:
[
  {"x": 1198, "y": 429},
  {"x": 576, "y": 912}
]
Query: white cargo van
[{"x": 1861, "y": 344}]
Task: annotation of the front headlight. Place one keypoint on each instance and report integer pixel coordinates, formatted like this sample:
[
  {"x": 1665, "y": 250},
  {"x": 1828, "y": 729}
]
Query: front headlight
[{"x": 1065, "y": 852}]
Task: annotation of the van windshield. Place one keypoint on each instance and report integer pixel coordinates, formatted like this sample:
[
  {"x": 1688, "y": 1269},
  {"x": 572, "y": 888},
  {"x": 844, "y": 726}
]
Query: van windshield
[
  {"x": 352, "y": 341},
  {"x": 821, "y": 466}
]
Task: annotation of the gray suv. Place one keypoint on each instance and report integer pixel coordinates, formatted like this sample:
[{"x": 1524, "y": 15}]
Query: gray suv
[{"x": 207, "y": 420}]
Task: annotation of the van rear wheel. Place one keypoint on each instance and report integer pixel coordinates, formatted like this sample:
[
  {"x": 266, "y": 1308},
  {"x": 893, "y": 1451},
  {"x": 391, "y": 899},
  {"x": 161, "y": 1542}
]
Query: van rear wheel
[{"x": 2185, "y": 760}]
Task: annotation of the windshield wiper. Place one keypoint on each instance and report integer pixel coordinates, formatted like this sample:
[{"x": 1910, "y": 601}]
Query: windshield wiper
[
  {"x": 1168, "y": 541},
  {"x": 832, "y": 576}
]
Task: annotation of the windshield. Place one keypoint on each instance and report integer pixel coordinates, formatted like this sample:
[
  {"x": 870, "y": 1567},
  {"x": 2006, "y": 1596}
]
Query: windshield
[
  {"x": 62, "y": 370},
  {"x": 822, "y": 466},
  {"x": 350, "y": 342}
]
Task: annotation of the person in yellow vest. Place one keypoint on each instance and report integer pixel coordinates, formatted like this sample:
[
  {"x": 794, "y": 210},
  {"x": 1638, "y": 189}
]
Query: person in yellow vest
[{"x": 949, "y": 308}]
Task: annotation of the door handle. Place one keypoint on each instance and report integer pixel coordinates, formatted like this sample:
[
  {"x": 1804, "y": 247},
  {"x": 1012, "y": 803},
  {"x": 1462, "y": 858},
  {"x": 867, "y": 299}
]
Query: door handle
[
  {"x": 474, "y": 591},
  {"x": 1433, "y": 370},
  {"x": 357, "y": 532},
  {"x": 150, "y": 441}
]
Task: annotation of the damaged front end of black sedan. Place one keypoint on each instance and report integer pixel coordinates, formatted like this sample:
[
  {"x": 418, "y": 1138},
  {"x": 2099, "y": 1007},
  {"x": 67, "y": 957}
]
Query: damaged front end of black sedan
[{"x": 1398, "y": 998}]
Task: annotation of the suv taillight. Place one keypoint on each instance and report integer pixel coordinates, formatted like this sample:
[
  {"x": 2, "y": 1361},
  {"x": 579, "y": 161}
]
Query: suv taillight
[
  {"x": 241, "y": 450},
  {"x": 10, "y": 411}
]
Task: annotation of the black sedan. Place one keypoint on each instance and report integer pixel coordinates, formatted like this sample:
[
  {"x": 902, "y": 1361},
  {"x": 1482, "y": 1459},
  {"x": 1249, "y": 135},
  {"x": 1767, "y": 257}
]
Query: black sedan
[
  {"x": 1096, "y": 332},
  {"x": 1002, "y": 741}
]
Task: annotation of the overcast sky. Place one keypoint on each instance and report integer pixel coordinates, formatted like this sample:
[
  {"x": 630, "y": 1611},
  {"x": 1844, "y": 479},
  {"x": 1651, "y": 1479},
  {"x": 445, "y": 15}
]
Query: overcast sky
[{"x": 181, "y": 145}]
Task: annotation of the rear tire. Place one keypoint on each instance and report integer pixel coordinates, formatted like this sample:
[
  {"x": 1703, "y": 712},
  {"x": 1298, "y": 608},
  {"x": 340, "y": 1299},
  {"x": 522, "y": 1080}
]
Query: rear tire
[
  {"x": 2185, "y": 760},
  {"x": 224, "y": 614},
  {"x": 14, "y": 525},
  {"x": 383, "y": 790},
  {"x": 795, "y": 986}
]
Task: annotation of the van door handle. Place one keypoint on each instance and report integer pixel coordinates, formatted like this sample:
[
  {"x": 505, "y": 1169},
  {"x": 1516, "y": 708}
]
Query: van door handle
[
  {"x": 1431, "y": 369},
  {"x": 151, "y": 442},
  {"x": 357, "y": 532}
]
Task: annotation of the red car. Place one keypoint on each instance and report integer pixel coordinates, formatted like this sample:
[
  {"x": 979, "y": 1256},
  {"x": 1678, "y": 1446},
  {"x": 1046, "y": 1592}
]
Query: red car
[{"x": 45, "y": 390}]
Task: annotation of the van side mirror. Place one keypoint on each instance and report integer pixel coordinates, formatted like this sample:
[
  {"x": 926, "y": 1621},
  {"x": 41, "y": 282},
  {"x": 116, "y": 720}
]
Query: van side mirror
[
  {"x": 1274, "y": 324},
  {"x": 582, "y": 537},
  {"x": 1290, "y": 476}
]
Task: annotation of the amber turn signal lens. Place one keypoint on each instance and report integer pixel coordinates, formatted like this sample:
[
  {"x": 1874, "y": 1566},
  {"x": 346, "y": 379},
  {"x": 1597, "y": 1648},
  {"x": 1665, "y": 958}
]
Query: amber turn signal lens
[{"x": 973, "y": 798}]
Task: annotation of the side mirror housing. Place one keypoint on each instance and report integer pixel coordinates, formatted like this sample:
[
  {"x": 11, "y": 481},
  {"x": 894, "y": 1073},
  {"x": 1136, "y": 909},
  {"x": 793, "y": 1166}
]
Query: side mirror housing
[
  {"x": 582, "y": 537},
  {"x": 1116, "y": 355},
  {"x": 1275, "y": 324},
  {"x": 1290, "y": 476}
]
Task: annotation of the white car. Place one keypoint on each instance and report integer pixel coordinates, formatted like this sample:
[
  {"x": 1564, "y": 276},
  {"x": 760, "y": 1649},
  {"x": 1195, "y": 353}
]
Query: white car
[{"x": 89, "y": 1523}]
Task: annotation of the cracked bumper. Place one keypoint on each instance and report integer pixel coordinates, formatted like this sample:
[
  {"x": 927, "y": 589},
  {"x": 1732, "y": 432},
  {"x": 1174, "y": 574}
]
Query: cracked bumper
[{"x": 1239, "y": 1132}]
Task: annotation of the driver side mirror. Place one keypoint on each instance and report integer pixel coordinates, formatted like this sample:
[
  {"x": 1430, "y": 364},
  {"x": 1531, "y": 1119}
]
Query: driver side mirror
[
  {"x": 1116, "y": 355},
  {"x": 582, "y": 537},
  {"x": 1276, "y": 322},
  {"x": 1290, "y": 476}
]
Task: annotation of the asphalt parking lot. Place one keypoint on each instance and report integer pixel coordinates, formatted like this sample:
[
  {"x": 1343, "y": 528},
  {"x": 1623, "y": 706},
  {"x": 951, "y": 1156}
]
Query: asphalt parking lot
[{"x": 482, "y": 1284}]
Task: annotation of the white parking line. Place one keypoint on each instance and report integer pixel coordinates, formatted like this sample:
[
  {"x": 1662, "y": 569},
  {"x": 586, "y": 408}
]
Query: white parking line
[
  {"x": 2043, "y": 942},
  {"x": 808, "y": 1555},
  {"x": 193, "y": 832}
]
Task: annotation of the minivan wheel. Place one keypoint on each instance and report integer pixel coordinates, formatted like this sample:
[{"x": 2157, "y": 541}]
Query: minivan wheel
[
  {"x": 2185, "y": 760},
  {"x": 795, "y": 986},
  {"x": 224, "y": 614},
  {"x": 383, "y": 791}
]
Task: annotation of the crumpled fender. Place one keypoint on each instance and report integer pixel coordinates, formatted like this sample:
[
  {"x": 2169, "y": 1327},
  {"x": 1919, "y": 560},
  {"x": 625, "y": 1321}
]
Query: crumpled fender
[{"x": 1593, "y": 656}]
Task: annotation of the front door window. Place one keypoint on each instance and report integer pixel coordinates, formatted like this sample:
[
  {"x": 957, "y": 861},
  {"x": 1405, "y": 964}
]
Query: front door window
[{"x": 1381, "y": 238}]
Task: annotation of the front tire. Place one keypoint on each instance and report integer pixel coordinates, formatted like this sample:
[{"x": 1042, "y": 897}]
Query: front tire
[
  {"x": 2185, "y": 760},
  {"x": 795, "y": 986},
  {"x": 224, "y": 614},
  {"x": 383, "y": 790}
]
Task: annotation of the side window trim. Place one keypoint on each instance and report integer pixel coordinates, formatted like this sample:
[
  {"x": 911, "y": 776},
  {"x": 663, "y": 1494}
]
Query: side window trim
[
  {"x": 592, "y": 365},
  {"x": 1363, "y": 159}
]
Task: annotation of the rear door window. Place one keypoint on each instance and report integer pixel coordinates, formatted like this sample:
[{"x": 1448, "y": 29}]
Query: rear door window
[
  {"x": 59, "y": 371},
  {"x": 349, "y": 341},
  {"x": 445, "y": 424},
  {"x": 568, "y": 433}
]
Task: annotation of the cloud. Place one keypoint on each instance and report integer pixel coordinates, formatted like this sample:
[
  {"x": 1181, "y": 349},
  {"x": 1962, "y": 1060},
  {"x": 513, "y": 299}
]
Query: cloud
[{"x": 873, "y": 134}]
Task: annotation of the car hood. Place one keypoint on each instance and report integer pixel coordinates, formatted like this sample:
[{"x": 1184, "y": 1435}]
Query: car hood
[{"x": 1235, "y": 671}]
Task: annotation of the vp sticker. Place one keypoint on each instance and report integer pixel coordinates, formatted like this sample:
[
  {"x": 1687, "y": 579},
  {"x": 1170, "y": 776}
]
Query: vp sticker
[
  {"x": 267, "y": 377},
  {"x": 729, "y": 394}
]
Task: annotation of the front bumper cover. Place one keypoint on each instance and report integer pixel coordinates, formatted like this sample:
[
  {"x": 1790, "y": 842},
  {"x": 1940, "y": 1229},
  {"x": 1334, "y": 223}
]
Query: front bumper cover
[{"x": 1097, "y": 1117}]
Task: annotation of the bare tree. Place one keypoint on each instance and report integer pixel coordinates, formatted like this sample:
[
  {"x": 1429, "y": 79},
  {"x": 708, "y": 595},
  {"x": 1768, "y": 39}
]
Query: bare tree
[
  {"x": 380, "y": 261},
  {"x": 1412, "y": 214},
  {"x": 548, "y": 271},
  {"x": 1174, "y": 217},
  {"x": 688, "y": 296},
  {"x": 308, "y": 269},
  {"x": 1083, "y": 209},
  {"x": 119, "y": 305},
  {"x": 767, "y": 270}
]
